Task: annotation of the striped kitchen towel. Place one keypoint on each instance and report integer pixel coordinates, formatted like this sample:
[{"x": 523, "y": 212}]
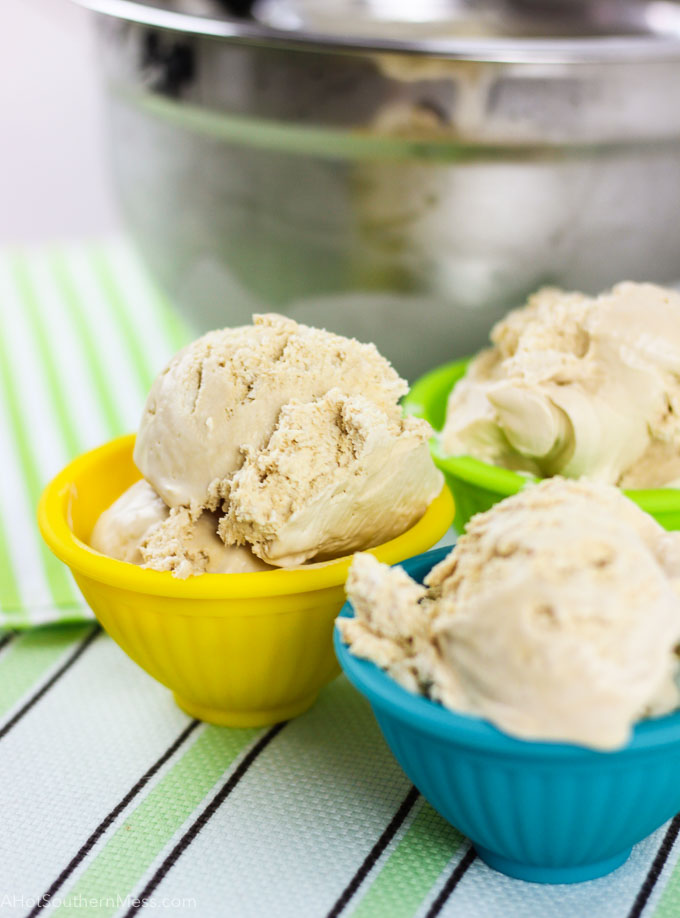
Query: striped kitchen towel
[
  {"x": 83, "y": 332},
  {"x": 117, "y": 804}
]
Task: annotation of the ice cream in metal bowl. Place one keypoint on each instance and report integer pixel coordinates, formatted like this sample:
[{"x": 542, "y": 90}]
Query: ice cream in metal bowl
[
  {"x": 242, "y": 649},
  {"x": 543, "y": 811}
]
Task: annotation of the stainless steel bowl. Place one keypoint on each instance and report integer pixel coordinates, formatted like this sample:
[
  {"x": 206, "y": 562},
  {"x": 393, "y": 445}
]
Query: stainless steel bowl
[{"x": 404, "y": 191}]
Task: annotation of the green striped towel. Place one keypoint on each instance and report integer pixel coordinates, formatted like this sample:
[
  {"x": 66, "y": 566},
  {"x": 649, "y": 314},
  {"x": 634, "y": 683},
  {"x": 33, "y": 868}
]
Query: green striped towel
[
  {"x": 109, "y": 795},
  {"x": 82, "y": 334}
]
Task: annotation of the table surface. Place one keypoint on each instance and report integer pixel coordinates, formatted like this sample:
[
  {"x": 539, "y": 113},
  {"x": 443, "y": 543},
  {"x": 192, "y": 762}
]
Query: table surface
[{"x": 109, "y": 794}]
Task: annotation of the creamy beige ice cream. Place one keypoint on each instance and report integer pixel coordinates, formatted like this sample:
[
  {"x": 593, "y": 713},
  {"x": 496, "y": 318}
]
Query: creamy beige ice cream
[
  {"x": 556, "y": 617},
  {"x": 337, "y": 472},
  {"x": 121, "y": 529},
  {"x": 141, "y": 529},
  {"x": 273, "y": 443},
  {"x": 223, "y": 393},
  {"x": 576, "y": 386}
]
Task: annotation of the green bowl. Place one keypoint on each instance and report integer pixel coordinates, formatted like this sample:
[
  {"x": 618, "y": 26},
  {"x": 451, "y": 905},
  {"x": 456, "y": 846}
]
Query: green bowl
[{"x": 476, "y": 486}]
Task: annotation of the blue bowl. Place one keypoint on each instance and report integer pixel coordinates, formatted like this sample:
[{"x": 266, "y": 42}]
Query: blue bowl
[{"x": 544, "y": 812}]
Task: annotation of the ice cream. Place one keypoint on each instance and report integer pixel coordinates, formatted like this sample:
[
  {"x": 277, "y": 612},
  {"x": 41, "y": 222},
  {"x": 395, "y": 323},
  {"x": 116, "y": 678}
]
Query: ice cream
[
  {"x": 556, "y": 617},
  {"x": 577, "y": 386},
  {"x": 274, "y": 441},
  {"x": 223, "y": 393},
  {"x": 121, "y": 529},
  {"x": 337, "y": 472},
  {"x": 140, "y": 528}
]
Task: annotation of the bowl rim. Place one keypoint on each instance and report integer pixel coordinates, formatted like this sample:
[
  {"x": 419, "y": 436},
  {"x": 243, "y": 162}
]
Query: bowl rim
[
  {"x": 602, "y": 49},
  {"x": 82, "y": 559},
  {"x": 420, "y": 400},
  {"x": 457, "y": 729}
]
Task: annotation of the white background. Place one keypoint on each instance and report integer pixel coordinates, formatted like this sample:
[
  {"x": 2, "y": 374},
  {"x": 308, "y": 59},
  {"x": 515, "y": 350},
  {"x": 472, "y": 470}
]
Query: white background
[{"x": 54, "y": 179}]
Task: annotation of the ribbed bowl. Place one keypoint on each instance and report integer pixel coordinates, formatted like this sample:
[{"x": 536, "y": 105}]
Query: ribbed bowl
[
  {"x": 476, "y": 486},
  {"x": 235, "y": 649},
  {"x": 544, "y": 812}
]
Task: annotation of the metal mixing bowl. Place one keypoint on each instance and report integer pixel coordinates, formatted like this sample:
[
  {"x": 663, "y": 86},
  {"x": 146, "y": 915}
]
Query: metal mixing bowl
[{"x": 404, "y": 191}]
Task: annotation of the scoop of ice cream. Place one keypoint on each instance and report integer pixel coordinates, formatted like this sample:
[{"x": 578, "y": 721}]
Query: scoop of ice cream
[
  {"x": 295, "y": 435},
  {"x": 578, "y": 386},
  {"x": 556, "y": 617},
  {"x": 121, "y": 529},
  {"x": 223, "y": 394},
  {"x": 139, "y": 528},
  {"x": 338, "y": 473},
  {"x": 186, "y": 546}
]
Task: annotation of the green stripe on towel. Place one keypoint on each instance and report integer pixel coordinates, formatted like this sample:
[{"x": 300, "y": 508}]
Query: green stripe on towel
[
  {"x": 408, "y": 874},
  {"x": 87, "y": 343},
  {"x": 148, "y": 831},
  {"x": 62, "y": 588},
  {"x": 86, "y": 330},
  {"x": 30, "y": 657}
]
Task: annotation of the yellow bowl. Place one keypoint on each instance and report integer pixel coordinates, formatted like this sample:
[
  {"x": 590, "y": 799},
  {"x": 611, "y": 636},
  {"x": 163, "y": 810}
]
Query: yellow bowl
[{"x": 235, "y": 649}]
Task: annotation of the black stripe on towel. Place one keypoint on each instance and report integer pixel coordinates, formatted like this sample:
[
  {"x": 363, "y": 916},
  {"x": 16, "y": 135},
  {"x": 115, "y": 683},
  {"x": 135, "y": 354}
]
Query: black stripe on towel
[
  {"x": 657, "y": 866},
  {"x": 457, "y": 875},
  {"x": 374, "y": 854},
  {"x": 203, "y": 820},
  {"x": 108, "y": 820},
  {"x": 54, "y": 678},
  {"x": 5, "y": 639}
]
